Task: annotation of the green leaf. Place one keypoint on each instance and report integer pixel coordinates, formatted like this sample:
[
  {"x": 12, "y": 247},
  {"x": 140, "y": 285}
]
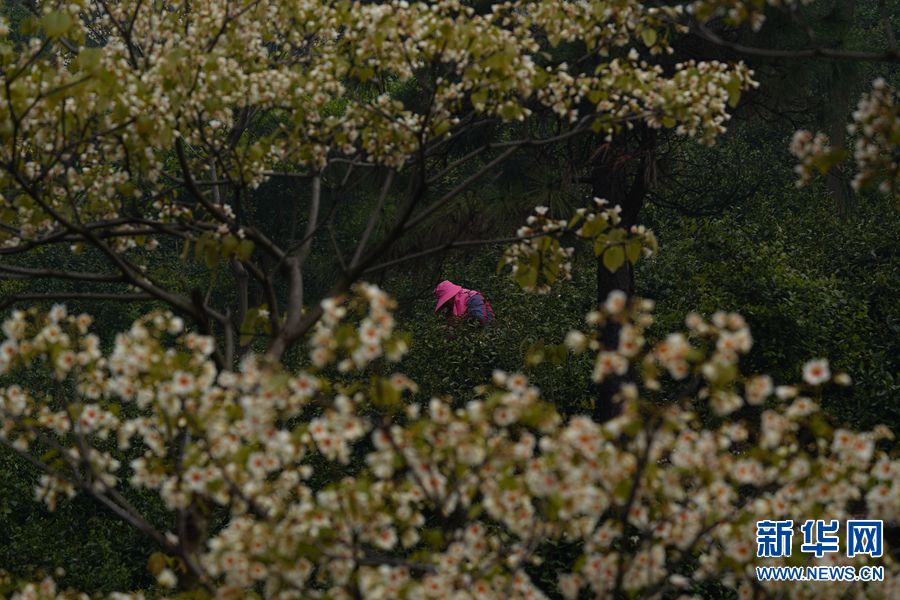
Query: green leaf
[
  {"x": 826, "y": 161},
  {"x": 441, "y": 127},
  {"x": 633, "y": 250},
  {"x": 649, "y": 37},
  {"x": 593, "y": 227},
  {"x": 526, "y": 276},
  {"x": 244, "y": 250},
  {"x": 89, "y": 59},
  {"x": 613, "y": 258},
  {"x": 229, "y": 245},
  {"x": 600, "y": 244},
  {"x": 29, "y": 26},
  {"x": 509, "y": 111},
  {"x": 248, "y": 327},
  {"x": 310, "y": 551},
  {"x": 156, "y": 563},
  {"x": 550, "y": 272},
  {"x": 576, "y": 218},
  {"x": 535, "y": 354},
  {"x": 622, "y": 489},
  {"x": 501, "y": 265},
  {"x": 49, "y": 455},
  {"x": 617, "y": 234},
  {"x": 384, "y": 394},
  {"x": 479, "y": 96},
  {"x": 733, "y": 87},
  {"x": 200, "y": 247},
  {"x": 56, "y": 23},
  {"x": 211, "y": 256},
  {"x": 433, "y": 537},
  {"x": 365, "y": 73},
  {"x": 186, "y": 252}
]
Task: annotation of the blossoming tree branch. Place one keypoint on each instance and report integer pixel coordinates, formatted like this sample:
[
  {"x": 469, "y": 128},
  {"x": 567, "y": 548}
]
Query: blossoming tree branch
[{"x": 129, "y": 127}]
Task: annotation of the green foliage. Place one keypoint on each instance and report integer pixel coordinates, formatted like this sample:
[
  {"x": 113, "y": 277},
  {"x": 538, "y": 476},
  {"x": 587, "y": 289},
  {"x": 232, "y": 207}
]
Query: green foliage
[
  {"x": 97, "y": 551},
  {"x": 451, "y": 358},
  {"x": 809, "y": 283}
]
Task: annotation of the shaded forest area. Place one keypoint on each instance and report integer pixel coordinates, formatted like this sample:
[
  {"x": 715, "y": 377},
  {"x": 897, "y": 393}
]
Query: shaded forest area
[{"x": 815, "y": 270}]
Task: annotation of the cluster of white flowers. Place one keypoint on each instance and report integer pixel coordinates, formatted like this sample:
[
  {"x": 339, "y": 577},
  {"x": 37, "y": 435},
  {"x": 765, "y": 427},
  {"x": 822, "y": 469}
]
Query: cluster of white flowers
[
  {"x": 538, "y": 259},
  {"x": 737, "y": 12},
  {"x": 355, "y": 347},
  {"x": 184, "y": 76},
  {"x": 813, "y": 152},
  {"x": 876, "y": 125},
  {"x": 350, "y": 485},
  {"x": 457, "y": 499},
  {"x": 45, "y": 590},
  {"x": 876, "y": 129}
]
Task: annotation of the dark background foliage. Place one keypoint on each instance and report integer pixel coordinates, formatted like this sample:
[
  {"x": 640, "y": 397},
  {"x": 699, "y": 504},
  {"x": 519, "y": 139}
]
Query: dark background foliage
[{"x": 815, "y": 272}]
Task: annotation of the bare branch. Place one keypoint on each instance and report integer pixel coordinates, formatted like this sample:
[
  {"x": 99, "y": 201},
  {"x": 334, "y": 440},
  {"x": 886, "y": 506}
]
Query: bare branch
[
  {"x": 313, "y": 219},
  {"x": 294, "y": 267},
  {"x": 261, "y": 240},
  {"x": 649, "y": 433},
  {"x": 133, "y": 519},
  {"x": 15, "y": 298},
  {"x": 28, "y": 273},
  {"x": 68, "y": 45},
  {"x": 266, "y": 281},
  {"x": 890, "y": 55},
  {"x": 243, "y": 280},
  {"x": 373, "y": 218},
  {"x": 293, "y": 325},
  {"x": 449, "y": 246},
  {"x": 133, "y": 274},
  {"x": 337, "y": 250},
  {"x": 453, "y": 193},
  {"x": 404, "y": 223}
]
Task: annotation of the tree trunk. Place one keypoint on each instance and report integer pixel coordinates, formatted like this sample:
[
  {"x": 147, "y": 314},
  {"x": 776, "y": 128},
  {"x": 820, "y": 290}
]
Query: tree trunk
[
  {"x": 840, "y": 84},
  {"x": 611, "y": 181}
]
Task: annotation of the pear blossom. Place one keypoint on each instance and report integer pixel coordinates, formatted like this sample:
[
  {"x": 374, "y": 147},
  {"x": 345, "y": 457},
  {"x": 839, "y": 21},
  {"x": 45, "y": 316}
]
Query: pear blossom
[{"x": 816, "y": 372}]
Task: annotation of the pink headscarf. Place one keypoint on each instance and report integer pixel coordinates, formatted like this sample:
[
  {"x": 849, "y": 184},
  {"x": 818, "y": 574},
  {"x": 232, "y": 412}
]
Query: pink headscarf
[{"x": 447, "y": 290}]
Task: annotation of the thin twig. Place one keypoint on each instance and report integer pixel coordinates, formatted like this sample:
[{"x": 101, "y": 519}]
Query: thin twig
[
  {"x": 889, "y": 55},
  {"x": 13, "y": 299},
  {"x": 373, "y": 218}
]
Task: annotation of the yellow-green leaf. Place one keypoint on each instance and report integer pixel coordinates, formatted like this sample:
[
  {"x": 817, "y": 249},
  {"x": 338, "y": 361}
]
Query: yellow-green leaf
[
  {"x": 613, "y": 258},
  {"x": 56, "y": 23},
  {"x": 633, "y": 250},
  {"x": 244, "y": 250}
]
